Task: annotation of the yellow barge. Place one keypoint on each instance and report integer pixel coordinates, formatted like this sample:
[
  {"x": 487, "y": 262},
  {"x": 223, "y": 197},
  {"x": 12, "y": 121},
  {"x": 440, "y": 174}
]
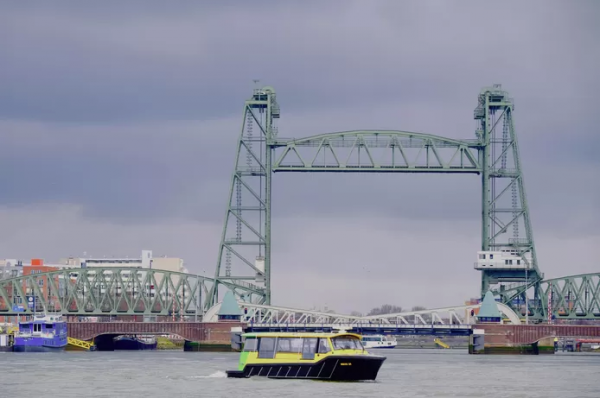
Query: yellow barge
[{"x": 321, "y": 356}]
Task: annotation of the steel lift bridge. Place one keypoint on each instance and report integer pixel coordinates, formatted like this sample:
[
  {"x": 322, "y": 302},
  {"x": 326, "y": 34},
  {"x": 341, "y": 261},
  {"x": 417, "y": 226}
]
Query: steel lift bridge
[{"x": 244, "y": 257}]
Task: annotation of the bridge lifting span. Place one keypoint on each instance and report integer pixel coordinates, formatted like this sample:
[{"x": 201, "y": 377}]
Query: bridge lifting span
[
  {"x": 266, "y": 315},
  {"x": 244, "y": 257}
]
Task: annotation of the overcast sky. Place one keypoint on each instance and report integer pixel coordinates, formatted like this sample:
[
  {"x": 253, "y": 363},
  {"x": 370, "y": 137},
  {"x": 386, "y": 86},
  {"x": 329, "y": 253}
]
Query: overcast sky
[{"x": 118, "y": 125}]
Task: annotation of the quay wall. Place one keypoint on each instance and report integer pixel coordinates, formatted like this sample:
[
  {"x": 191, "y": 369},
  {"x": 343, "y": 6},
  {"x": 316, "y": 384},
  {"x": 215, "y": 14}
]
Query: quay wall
[
  {"x": 496, "y": 334},
  {"x": 524, "y": 339},
  {"x": 204, "y": 332}
]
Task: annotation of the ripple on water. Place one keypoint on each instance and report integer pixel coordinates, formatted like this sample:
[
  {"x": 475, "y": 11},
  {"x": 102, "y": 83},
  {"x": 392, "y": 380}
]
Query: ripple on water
[{"x": 406, "y": 373}]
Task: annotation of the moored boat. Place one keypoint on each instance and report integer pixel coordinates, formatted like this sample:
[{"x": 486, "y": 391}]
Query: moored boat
[
  {"x": 135, "y": 343},
  {"x": 321, "y": 356},
  {"x": 43, "y": 333},
  {"x": 379, "y": 341}
]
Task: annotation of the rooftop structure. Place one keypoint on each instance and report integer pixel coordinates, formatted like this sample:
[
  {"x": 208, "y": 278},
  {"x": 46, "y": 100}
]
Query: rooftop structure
[
  {"x": 230, "y": 310},
  {"x": 505, "y": 259},
  {"x": 488, "y": 312}
]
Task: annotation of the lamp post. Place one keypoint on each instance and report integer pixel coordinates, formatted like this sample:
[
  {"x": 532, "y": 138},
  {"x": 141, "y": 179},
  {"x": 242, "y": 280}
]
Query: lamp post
[{"x": 526, "y": 298}]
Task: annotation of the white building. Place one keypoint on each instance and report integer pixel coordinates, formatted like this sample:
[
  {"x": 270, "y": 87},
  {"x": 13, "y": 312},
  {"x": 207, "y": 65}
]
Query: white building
[
  {"x": 505, "y": 259},
  {"x": 146, "y": 260}
]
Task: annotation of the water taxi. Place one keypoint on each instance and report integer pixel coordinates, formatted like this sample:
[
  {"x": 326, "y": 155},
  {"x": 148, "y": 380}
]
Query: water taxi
[
  {"x": 379, "y": 341},
  {"x": 338, "y": 356}
]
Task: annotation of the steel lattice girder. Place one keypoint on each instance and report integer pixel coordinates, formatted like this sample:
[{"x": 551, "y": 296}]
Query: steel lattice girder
[
  {"x": 376, "y": 151},
  {"x": 573, "y": 297},
  {"x": 108, "y": 291},
  {"x": 270, "y": 315}
]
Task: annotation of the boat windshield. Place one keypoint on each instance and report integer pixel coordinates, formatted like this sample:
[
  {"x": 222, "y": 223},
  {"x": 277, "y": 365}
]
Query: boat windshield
[
  {"x": 372, "y": 338},
  {"x": 250, "y": 344},
  {"x": 346, "y": 343}
]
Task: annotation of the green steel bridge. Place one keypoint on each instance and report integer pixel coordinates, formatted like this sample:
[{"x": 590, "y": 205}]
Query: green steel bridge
[
  {"x": 103, "y": 291},
  {"x": 244, "y": 256}
]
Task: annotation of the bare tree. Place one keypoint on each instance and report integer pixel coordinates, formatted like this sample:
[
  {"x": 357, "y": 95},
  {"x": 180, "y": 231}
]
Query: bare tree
[
  {"x": 418, "y": 308},
  {"x": 385, "y": 309}
]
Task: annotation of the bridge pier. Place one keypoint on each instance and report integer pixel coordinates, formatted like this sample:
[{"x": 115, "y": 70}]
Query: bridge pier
[{"x": 523, "y": 339}]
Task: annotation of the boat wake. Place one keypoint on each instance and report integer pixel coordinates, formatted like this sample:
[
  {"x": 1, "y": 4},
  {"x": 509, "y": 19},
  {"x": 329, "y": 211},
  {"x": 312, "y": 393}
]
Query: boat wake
[{"x": 218, "y": 374}]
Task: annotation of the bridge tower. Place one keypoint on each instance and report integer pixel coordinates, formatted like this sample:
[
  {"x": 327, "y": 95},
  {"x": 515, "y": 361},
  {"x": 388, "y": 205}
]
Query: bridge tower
[
  {"x": 506, "y": 227},
  {"x": 244, "y": 258}
]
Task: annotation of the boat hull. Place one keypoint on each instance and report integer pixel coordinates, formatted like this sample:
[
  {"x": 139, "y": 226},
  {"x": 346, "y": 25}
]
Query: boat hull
[
  {"x": 37, "y": 348},
  {"x": 380, "y": 347},
  {"x": 332, "y": 368},
  {"x": 39, "y": 344},
  {"x": 133, "y": 344}
]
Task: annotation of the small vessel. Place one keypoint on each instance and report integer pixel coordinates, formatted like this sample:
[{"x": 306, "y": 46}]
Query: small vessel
[
  {"x": 7, "y": 337},
  {"x": 6, "y": 342},
  {"x": 41, "y": 334},
  {"x": 337, "y": 356},
  {"x": 127, "y": 342},
  {"x": 379, "y": 341}
]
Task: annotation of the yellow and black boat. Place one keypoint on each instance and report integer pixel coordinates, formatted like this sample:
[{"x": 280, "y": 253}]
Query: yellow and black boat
[{"x": 321, "y": 356}]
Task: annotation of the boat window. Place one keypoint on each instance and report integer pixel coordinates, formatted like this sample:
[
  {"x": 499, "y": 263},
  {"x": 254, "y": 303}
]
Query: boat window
[
  {"x": 49, "y": 326},
  {"x": 309, "y": 345},
  {"x": 309, "y": 348},
  {"x": 324, "y": 346},
  {"x": 266, "y": 347},
  {"x": 250, "y": 344},
  {"x": 287, "y": 344},
  {"x": 346, "y": 343}
]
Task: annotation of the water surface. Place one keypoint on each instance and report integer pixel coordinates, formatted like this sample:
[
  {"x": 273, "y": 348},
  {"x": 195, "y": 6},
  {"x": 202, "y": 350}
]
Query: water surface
[{"x": 406, "y": 373}]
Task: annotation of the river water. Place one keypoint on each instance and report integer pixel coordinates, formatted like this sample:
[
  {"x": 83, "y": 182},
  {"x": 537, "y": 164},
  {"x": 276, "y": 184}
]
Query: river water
[{"x": 406, "y": 373}]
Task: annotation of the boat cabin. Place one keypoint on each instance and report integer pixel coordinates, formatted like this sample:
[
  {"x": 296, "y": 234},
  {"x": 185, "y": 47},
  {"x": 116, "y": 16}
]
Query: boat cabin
[
  {"x": 43, "y": 325},
  {"x": 295, "y": 346}
]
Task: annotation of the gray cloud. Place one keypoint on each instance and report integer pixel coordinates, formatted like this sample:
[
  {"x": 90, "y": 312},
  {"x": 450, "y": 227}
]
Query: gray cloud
[
  {"x": 132, "y": 118},
  {"x": 78, "y": 64}
]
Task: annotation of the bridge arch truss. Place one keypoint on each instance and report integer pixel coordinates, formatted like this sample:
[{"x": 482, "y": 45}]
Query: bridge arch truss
[
  {"x": 98, "y": 291},
  {"x": 570, "y": 298}
]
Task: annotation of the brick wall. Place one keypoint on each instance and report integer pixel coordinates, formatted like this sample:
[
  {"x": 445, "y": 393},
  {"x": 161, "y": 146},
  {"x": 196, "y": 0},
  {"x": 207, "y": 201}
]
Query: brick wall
[
  {"x": 216, "y": 332},
  {"x": 510, "y": 335}
]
